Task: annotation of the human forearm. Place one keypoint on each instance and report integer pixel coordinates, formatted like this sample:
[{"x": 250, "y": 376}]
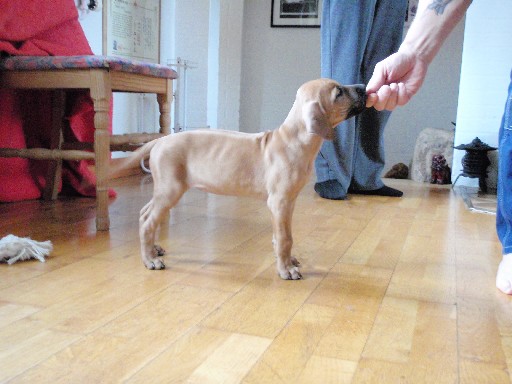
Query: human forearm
[
  {"x": 397, "y": 78},
  {"x": 434, "y": 21}
]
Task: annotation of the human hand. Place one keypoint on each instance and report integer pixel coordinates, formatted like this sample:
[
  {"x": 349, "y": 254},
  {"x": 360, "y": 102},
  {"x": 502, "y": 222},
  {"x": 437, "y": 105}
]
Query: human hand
[{"x": 395, "y": 80}]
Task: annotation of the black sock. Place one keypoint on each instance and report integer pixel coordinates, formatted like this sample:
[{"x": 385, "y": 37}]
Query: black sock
[
  {"x": 383, "y": 191},
  {"x": 330, "y": 189}
]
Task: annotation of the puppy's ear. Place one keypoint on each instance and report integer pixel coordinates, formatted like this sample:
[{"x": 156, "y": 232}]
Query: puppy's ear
[{"x": 316, "y": 120}]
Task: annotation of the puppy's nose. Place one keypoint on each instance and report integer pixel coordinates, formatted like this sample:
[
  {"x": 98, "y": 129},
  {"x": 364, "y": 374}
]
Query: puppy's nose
[
  {"x": 361, "y": 90},
  {"x": 358, "y": 95}
]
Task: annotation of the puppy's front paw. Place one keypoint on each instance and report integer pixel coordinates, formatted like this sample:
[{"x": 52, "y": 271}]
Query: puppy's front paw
[
  {"x": 154, "y": 261},
  {"x": 290, "y": 273},
  {"x": 154, "y": 264}
]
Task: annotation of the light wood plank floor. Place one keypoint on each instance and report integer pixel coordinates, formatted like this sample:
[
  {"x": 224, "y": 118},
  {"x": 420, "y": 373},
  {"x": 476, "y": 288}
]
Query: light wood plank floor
[{"x": 395, "y": 291}]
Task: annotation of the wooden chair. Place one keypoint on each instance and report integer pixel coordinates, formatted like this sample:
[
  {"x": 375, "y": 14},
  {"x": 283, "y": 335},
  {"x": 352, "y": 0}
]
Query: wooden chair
[{"x": 101, "y": 75}]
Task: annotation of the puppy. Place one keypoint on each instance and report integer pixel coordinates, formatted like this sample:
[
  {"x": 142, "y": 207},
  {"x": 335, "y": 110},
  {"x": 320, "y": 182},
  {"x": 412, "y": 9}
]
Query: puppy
[{"x": 273, "y": 165}]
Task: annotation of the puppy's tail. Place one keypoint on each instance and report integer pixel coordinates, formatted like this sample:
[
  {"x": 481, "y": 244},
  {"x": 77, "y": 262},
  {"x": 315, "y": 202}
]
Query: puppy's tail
[{"x": 131, "y": 161}]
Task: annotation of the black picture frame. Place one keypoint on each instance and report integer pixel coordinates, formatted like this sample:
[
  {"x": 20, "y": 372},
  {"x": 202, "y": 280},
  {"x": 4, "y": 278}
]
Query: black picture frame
[{"x": 296, "y": 13}]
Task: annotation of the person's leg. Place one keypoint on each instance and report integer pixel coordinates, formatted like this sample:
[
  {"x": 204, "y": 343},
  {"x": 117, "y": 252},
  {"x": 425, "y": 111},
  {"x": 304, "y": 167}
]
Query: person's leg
[
  {"x": 345, "y": 29},
  {"x": 384, "y": 39},
  {"x": 504, "y": 208}
]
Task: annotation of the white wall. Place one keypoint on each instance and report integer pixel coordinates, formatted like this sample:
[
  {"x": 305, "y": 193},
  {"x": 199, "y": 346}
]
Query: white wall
[
  {"x": 92, "y": 25},
  {"x": 485, "y": 75},
  {"x": 245, "y": 73},
  {"x": 225, "y": 59},
  {"x": 190, "y": 23},
  {"x": 275, "y": 62}
]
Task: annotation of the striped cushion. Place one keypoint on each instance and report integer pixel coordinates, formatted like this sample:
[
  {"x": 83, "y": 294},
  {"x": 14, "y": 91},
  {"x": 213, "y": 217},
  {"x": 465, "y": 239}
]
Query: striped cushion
[{"x": 30, "y": 63}]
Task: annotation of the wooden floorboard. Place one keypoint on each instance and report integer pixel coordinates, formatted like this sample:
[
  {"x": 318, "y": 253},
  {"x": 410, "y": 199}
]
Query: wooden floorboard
[{"x": 395, "y": 290}]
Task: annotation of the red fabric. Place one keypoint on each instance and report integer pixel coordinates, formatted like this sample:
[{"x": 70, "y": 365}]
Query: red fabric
[{"x": 41, "y": 28}]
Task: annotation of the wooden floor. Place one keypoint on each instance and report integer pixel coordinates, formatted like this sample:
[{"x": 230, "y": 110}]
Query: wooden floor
[{"x": 394, "y": 291}]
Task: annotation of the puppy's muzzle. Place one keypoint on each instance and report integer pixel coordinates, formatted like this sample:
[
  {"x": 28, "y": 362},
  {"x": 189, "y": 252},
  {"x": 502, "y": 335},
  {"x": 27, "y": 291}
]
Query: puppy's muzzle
[{"x": 358, "y": 95}]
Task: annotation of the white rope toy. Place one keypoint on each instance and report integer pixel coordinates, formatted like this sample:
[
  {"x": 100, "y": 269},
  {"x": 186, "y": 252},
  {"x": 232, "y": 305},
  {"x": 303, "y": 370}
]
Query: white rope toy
[{"x": 13, "y": 248}]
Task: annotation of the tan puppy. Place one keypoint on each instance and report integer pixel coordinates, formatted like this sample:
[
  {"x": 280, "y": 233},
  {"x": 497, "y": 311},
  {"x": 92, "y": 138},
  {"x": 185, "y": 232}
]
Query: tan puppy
[{"x": 273, "y": 165}]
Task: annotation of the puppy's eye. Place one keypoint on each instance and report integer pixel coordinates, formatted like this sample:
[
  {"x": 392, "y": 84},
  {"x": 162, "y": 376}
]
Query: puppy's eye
[{"x": 339, "y": 92}]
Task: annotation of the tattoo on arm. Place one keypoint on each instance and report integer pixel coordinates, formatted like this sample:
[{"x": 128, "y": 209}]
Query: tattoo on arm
[{"x": 438, "y": 6}]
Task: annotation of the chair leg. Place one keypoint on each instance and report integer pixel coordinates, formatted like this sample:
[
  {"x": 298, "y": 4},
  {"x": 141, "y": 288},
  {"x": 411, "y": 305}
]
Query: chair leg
[
  {"x": 101, "y": 94},
  {"x": 54, "y": 171},
  {"x": 164, "y": 106}
]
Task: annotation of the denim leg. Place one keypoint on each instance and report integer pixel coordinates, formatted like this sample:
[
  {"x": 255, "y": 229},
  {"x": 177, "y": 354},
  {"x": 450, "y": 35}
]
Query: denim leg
[
  {"x": 345, "y": 29},
  {"x": 504, "y": 208},
  {"x": 384, "y": 39},
  {"x": 355, "y": 35}
]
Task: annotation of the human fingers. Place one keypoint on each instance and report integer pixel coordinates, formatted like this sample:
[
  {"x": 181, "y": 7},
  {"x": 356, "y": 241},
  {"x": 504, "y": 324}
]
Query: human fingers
[
  {"x": 393, "y": 97},
  {"x": 389, "y": 97},
  {"x": 377, "y": 80},
  {"x": 403, "y": 96},
  {"x": 371, "y": 99},
  {"x": 383, "y": 94}
]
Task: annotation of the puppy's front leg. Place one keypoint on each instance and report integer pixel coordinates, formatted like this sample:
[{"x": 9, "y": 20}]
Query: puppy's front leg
[{"x": 282, "y": 211}]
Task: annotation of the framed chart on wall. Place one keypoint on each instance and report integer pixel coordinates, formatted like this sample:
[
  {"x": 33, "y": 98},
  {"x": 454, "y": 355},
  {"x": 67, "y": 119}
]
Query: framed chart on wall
[
  {"x": 296, "y": 13},
  {"x": 131, "y": 29}
]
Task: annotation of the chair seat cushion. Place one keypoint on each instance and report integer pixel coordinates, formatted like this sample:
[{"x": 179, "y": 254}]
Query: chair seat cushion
[{"x": 31, "y": 63}]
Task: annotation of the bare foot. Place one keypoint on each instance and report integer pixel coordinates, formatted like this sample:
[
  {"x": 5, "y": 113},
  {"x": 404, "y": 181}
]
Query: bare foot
[{"x": 504, "y": 275}]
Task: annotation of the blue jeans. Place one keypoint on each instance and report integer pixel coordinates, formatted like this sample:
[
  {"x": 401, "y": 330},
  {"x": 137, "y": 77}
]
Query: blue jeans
[
  {"x": 504, "y": 209},
  {"x": 356, "y": 35}
]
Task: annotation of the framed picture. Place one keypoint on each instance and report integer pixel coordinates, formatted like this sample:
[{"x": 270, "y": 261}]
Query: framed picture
[
  {"x": 296, "y": 13},
  {"x": 131, "y": 29}
]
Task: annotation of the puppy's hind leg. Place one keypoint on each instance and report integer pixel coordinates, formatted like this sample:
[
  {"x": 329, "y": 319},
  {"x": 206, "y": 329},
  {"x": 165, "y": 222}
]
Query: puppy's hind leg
[
  {"x": 150, "y": 217},
  {"x": 157, "y": 250}
]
